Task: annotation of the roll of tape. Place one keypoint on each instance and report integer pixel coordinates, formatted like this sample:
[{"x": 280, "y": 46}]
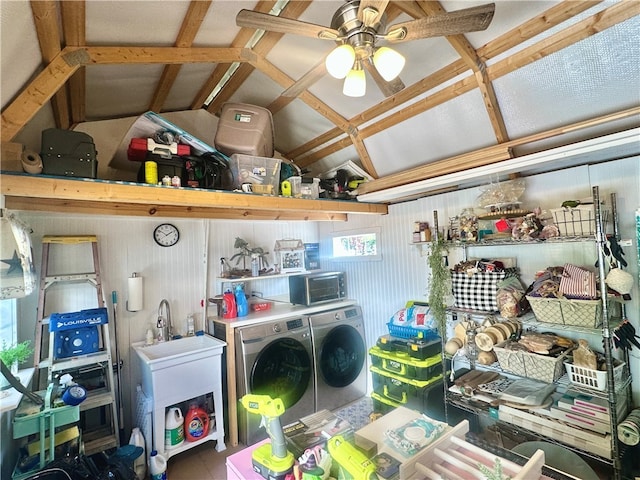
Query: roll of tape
[{"x": 31, "y": 162}]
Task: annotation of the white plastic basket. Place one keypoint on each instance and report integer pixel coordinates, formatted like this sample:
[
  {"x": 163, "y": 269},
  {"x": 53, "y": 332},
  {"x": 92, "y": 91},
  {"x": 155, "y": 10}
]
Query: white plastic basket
[{"x": 595, "y": 379}]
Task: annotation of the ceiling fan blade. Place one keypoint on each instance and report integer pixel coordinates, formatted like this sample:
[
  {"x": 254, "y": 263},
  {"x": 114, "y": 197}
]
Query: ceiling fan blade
[
  {"x": 273, "y": 23},
  {"x": 387, "y": 88},
  {"x": 370, "y": 11},
  {"x": 451, "y": 23}
]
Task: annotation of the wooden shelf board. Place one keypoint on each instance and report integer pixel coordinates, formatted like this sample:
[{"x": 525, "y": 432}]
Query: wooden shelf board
[{"x": 102, "y": 197}]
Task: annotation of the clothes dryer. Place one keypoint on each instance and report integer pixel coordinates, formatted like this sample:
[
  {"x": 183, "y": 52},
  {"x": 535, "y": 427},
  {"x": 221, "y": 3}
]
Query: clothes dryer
[
  {"x": 275, "y": 359},
  {"x": 340, "y": 354}
]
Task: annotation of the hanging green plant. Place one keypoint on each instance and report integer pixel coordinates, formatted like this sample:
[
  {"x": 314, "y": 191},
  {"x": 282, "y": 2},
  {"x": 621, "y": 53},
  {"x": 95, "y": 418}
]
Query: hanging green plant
[{"x": 440, "y": 287}]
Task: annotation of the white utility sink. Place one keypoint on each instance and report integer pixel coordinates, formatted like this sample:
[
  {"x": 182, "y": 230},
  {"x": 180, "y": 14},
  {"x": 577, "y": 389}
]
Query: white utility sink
[
  {"x": 176, "y": 352},
  {"x": 178, "y": 371}
]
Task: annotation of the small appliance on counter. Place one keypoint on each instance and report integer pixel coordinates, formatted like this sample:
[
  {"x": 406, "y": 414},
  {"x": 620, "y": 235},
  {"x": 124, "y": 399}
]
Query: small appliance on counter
[{"x": 316, "y": 288}]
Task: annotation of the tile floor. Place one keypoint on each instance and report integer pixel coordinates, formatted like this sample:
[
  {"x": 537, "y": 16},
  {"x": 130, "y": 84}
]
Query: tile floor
[{"x": 201, "y": 463}]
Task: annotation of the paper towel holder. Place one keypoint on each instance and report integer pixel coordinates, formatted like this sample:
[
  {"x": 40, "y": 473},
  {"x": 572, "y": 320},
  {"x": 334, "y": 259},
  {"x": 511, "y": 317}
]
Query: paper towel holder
[{"x": 135, "y": 290}]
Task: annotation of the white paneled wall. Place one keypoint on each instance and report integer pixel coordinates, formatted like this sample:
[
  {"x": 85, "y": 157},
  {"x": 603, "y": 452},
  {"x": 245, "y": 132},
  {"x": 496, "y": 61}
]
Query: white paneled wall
[{"x": 186, "y": 274}]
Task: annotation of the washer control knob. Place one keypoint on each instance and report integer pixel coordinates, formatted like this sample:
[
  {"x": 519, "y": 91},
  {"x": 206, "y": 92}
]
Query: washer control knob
[{"x": 277, "y": 328}]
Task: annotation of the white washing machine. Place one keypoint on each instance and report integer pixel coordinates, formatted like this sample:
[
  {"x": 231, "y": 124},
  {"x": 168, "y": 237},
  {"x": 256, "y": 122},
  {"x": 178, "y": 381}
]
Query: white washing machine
[
  {"x": 275, "y": 359},
  {"x": 340, "y": 354}
]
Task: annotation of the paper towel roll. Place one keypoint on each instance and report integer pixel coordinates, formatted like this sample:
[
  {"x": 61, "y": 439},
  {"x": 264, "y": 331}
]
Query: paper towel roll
[
  {"x": 31, "y": 162},
  {"x": 135, "y": 301}
]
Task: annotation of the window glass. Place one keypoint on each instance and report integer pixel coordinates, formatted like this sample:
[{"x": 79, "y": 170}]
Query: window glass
[
  {"x": 356, "y": 245},
  {"x": 8, "y": 324}
]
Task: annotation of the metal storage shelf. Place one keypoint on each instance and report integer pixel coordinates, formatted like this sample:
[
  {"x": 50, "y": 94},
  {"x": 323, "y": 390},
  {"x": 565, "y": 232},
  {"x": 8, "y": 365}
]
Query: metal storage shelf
[{"x": 613, "y": 391}]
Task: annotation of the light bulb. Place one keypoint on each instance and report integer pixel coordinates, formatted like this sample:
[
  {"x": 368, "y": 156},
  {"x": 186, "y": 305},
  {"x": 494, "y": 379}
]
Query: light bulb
[
  {"x": 355, "y": 84},
  {"x": 340, "y": 61},
  {"x": 388, "y": 62}
]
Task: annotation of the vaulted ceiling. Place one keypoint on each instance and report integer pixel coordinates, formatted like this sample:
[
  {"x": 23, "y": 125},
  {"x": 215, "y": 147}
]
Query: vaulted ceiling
[{"x": 543, "y": 74}]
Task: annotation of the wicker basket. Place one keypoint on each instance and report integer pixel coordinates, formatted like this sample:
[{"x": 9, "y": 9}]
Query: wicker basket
[
  {"x": 531, "y": 365},
  {"x": 596, "y": 379},
  {"x": 579, "y": 313}
]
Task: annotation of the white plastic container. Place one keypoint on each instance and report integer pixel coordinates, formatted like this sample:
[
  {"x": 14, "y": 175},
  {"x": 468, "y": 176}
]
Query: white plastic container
[
  {"x": 173, "y": 428},
  {"x": 157, "y": 466},
  {"x": 140, "y": 463}
]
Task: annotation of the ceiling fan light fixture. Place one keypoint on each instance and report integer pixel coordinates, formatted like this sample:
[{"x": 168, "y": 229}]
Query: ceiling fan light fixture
[
  {"x": 388, "y": 62},
  {"x": 340, "y": 61},
  {"x": 355, "y": 84}
]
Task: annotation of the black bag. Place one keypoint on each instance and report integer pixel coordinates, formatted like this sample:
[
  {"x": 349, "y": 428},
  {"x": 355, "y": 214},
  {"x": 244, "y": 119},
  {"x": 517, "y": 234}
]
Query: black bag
[
  {"x": 210, "y": 170},
  {"x": 68, "y": 153}
]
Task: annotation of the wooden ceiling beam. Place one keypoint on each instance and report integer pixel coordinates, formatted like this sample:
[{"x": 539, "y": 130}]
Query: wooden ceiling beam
[
  {"x": 188, "y": 30},
  {"x": 592, "y": 25},
  {"x": 535, "y": 26},
  {"x": 45, "y": 17},
  {"x": 469, "y": 55},
  {"x": 75, "y": 35},
  {"x": 133, "y": 55},
  {"x": 30, "y": 100}
]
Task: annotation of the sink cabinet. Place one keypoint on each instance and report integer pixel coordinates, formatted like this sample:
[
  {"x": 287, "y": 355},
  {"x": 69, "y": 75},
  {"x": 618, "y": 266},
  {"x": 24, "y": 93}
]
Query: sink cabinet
[{"x": 178, "y": 371}]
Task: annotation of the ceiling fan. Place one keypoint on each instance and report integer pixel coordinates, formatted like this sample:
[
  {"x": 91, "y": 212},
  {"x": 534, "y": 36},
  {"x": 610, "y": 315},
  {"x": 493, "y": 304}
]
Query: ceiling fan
[{"x": 357, "y": 27}]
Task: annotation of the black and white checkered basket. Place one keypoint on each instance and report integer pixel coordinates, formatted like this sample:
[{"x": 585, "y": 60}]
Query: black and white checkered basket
[{"x": 479, "y": 290}]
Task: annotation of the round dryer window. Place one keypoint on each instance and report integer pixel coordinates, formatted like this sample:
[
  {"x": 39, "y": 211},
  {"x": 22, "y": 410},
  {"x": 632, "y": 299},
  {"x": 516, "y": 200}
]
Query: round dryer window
[
  {"x": 342, "y": 356},
  {"x": 282, "y": 369}
]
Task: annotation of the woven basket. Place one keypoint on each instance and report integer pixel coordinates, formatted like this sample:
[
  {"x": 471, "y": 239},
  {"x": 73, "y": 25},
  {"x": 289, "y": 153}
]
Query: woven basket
[
  {"x": 579, "y": 313},
  {"x": 531, "y": 365}
]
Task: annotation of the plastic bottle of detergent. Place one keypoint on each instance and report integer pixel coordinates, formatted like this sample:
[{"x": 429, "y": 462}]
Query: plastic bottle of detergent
[
  {"x": 157, "y": 466},
  {"x": 196, "y": 423},
  {"x": 229, "y": 309},
  {"x": 140, "y": 463},
  {"x": 173, "y": 428},
  {"x": 242, "y": 305}
]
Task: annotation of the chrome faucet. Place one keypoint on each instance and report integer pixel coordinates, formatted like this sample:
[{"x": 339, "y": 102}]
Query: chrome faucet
[{"x": 164, "y": 322}]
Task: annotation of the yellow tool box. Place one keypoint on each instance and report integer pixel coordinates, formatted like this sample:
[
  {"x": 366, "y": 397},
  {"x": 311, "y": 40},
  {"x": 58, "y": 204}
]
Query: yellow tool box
[{"x": 403, "y": 365}]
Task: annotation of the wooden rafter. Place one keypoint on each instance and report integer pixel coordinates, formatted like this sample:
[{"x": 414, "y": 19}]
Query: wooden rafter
[
  {"x": 45, "y": 17},
  {"x": 190, "y": 26},
  {"x": 74, "y": 31}
]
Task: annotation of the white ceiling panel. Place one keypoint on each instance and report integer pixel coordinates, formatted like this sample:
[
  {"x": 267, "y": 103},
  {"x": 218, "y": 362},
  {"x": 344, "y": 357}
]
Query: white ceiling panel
[
  {"x": 441, "y": 132},
  {"x": 596, "y": 76},
  {"x": 118, "y": 92},
  {"x": 187, "y": 85},
  {"x": 20, "y": 59},
  {"x": 133, "y": 23},
  {"x": 297, "y": 124}
]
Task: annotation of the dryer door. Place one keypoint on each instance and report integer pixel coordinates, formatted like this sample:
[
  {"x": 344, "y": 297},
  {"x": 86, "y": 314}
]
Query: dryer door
[
  {"x": 342, "y": 356},
  {"x": 282, "y": 369}
]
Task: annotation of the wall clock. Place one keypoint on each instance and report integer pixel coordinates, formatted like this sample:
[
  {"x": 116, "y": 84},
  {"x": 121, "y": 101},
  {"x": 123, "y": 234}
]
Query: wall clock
[{"x": 166, "y": 235}]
